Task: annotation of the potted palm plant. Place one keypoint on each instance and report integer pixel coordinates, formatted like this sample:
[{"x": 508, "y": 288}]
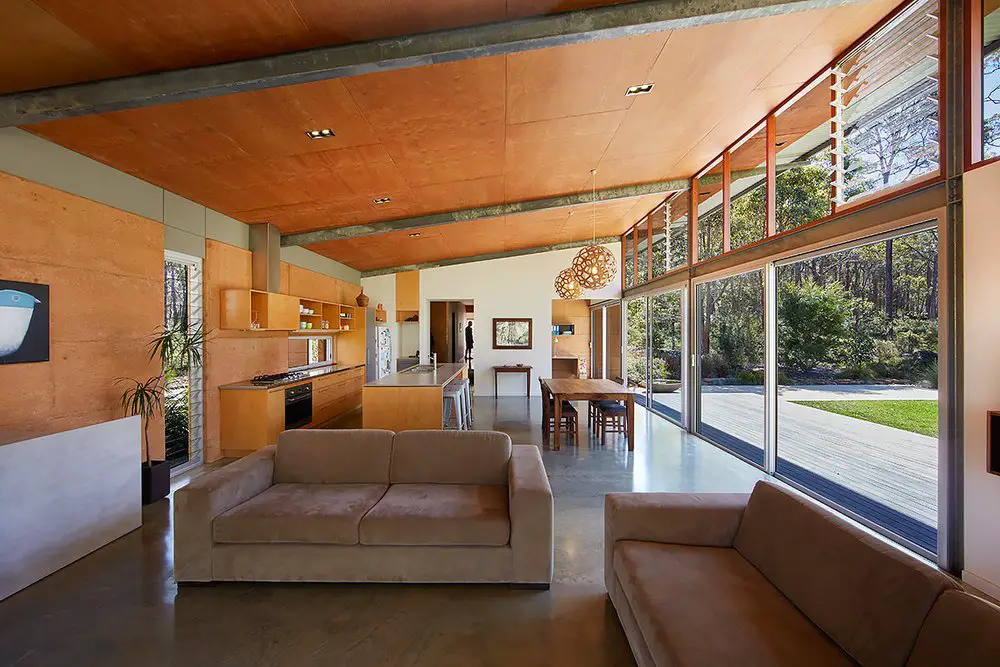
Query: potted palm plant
[{"x": 178, "y": 350}]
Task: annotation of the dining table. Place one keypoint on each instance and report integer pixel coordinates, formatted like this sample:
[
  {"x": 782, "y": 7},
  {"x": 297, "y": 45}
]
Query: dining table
[{"x": 557, "y": 390}]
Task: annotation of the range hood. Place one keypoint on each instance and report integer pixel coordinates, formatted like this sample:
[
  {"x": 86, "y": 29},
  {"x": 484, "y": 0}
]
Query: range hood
[{"x": 265, "y": 248}]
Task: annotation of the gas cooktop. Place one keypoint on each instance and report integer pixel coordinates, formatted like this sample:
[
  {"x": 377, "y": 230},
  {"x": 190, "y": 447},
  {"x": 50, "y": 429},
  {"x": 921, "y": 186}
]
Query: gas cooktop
[{"x": 278, "y": 378}]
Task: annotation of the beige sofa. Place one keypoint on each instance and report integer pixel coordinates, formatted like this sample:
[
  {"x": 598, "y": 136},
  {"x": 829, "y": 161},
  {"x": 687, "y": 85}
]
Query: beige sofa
[
  {"x": 774, "y": 579},
  {"x": 366, "y": 505}
]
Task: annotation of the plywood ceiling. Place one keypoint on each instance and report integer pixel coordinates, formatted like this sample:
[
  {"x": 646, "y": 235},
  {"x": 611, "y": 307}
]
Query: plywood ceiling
[
  {"x": 480, "y": 237},
  {"x": 439, "y": 138}
]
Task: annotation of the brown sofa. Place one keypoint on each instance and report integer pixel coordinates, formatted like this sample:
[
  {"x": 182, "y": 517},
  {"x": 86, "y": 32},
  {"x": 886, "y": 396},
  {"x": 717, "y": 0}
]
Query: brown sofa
[
  {"x": 774, "y": 579},
  {"x": 366, "y": 505}
]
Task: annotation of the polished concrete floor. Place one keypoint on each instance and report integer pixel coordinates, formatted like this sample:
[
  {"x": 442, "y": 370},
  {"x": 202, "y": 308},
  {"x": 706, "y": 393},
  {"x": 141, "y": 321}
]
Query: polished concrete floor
[{"x": 121, "y": 606}]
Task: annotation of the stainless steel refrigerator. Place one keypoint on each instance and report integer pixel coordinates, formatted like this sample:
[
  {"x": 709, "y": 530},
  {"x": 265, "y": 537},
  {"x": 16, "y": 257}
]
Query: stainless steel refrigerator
[{"x": 378, "y": 346}]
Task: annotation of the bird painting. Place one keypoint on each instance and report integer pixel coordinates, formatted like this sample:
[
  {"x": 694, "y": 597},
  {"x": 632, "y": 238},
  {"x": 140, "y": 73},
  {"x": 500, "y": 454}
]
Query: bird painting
[{"x": 16, "y": 309}]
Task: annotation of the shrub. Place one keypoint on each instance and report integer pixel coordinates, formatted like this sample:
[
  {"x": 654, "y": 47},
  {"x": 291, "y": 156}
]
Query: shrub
[
  {"x": 860, "y": 372},
  {"x": 752, "y": 378},
  {"x": 931, "y": 374},
  {"x": 667, "y": 364},
  {"x": 888, "y": 361},
  {"x": 740, "y": 341},
  {"x": 916, "y": 335},
  {"x": 636, "y": 368},
  {"x": 812, "y": 323},
  {"x": 868, "y": 325},
  {"x": 714, "y": 365},
  {"x": 658, "y": 370}
]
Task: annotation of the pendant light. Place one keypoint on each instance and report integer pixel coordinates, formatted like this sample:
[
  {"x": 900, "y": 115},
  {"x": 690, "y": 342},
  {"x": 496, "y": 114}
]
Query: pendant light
[
  {"x": 566, "y": 285},
  {"x": 594, "y": 266}
]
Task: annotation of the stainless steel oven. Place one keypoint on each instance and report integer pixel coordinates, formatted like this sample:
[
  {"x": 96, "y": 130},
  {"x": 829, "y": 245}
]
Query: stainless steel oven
[{"x": 298, "y": 405}]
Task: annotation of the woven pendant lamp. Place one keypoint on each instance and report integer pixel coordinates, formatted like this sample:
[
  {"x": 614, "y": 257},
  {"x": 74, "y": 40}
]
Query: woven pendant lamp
[
  {"x": 566, "y": 285},
  {"x": 594, "y": 266}
]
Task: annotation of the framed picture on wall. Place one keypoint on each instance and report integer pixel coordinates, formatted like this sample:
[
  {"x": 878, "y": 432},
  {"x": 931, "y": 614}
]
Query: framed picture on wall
[
  {"x": 24, "y": 322},
  {"x": 512, "y": 333}
]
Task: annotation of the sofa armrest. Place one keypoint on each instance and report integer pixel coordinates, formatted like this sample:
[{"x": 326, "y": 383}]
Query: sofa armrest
[
  {"x": 697, "y": 519},
  {"x": 530, "y": 516},
  {"x": 197, "y": 504}
]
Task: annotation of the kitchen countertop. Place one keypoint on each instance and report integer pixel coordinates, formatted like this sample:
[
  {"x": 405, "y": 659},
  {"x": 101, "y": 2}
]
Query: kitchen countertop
[
  {"x": 420, "y": 378},
  {"x": 311, "y": 374}
]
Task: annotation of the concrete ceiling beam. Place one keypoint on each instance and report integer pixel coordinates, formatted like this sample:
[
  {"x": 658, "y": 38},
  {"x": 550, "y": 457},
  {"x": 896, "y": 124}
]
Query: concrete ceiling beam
[{"x": 344, "y": 60}]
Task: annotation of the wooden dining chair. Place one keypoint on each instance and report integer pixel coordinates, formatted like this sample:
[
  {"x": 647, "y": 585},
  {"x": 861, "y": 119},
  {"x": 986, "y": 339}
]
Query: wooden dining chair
[
  {"x": 569, "y": 414},
  {"x": 610, "y": 417}
]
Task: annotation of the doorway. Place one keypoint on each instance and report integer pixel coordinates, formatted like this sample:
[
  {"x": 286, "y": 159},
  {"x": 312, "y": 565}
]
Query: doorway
[{"x": 449, "y": 339}]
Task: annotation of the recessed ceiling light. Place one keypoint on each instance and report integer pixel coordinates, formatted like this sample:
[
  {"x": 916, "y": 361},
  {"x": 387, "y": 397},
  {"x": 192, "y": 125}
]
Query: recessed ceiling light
[
  {"x": 382, "y": 200},
  {"x": 414, "y": 235},
  {"x": 780, "y": 144},
  {"x": 325, "y": 133},
  {"x": 641, "y": 89}
]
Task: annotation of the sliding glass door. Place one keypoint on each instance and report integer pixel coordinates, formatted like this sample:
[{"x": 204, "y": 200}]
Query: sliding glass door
[
  {"x": 848, "y": 339},
  {"x": 857, "y": 405},
  {"x": 637, "y": 346},
  {"x": 731, "y": 401},
  {"x": 666, "y": 351}
]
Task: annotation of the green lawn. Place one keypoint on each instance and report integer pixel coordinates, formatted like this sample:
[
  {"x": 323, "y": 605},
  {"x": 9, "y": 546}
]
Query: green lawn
[{"x": 915, "y": 416}]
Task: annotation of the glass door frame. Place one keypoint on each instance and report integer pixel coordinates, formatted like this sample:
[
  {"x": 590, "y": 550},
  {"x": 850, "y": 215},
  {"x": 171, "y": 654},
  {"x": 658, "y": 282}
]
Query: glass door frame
[
  {"x": 685, "y": 351},
  {"x": 694, "y": 350},
  {"x": 646, "y": 381},
  {"x": 196, "y": 448},
  {"x": 771, "y": 443}
]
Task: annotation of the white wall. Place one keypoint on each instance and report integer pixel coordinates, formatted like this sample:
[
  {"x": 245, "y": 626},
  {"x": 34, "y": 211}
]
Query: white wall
[
  {"x": 65, "y": 495},
  {"x": 382, "y": 289},
  {"x": 982, "y": 375},
  {"x": 509, "y": 287},
  {"x": 409, "y": 339}
]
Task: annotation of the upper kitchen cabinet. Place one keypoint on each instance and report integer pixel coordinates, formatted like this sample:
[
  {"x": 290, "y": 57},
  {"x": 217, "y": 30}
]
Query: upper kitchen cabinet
[
  {"x": 253, "y": 309},
  {"x": 407, "y": 296}
]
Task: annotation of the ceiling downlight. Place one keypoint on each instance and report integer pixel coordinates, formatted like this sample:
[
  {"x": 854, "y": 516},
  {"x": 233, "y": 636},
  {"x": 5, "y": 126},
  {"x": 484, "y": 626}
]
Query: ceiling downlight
[{"x": 641, "y": 89}]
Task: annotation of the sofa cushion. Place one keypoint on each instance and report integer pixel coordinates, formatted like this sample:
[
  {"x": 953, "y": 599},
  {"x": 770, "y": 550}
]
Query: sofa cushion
[
  {"x": 438, "y": 515},
  {"x": 961, "y": 631},
  {"x": 300, "y": 513},
  {"x": 707, "y": 606},
  {"x": 450, "y": 457},
  {"x": 318, "y": 456},
  {"x": 867, "y": 595}
]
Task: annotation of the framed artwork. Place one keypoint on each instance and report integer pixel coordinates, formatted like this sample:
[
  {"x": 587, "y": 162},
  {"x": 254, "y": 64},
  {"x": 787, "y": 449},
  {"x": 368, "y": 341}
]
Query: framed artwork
[
  {"x": 24, "y": 322},
  {"x": 511, "y": 333}
]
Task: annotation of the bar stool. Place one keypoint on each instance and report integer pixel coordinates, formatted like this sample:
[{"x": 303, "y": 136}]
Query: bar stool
[
  {"x": 467, "y": 399},
  {"x": 454, "y": 399}
]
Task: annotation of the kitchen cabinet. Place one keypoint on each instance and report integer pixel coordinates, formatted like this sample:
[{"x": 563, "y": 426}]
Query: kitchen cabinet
[
  {"x": 273, "y": 312},
  {"x": 283, "y": 312},
  {"x": 252, "y": 417},
  {"x": 407, "y": 296}
]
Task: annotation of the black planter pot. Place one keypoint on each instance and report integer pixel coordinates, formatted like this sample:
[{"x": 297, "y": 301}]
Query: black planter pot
[{"x": 155, "y": 481}]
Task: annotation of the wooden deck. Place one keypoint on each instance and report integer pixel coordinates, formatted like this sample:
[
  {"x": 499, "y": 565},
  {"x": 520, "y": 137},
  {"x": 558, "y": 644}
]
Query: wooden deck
[{"x": 884, "y": 474}]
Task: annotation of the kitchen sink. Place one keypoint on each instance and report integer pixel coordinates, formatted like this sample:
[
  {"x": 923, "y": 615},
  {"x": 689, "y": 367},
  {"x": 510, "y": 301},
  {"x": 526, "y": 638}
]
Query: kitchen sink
[{"x": 419, "y": 368}]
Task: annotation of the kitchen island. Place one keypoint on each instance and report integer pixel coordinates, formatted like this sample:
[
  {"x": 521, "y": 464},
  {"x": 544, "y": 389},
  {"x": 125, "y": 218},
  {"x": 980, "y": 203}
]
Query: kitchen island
[{"x": 408, "y": 400}]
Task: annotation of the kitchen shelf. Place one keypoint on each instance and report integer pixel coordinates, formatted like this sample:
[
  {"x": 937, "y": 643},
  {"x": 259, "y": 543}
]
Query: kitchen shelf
[
  {"x": 301, "y": 332},
  {"x": 279, "y": 312}
]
